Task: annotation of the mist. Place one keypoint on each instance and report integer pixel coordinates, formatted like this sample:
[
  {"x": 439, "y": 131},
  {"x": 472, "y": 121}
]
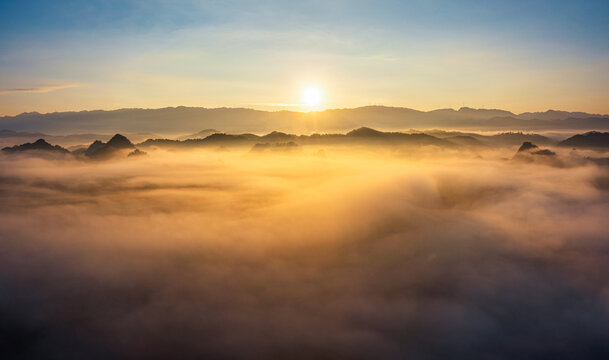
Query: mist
[{"x": 329, "y": 252}]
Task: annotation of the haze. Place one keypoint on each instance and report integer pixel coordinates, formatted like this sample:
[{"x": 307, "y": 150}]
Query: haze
[{"x": 255, "y": 180}]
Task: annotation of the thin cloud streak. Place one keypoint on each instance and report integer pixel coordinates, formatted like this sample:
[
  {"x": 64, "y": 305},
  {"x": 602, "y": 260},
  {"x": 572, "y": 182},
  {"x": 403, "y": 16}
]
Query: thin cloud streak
[{"x": 41, "y": 89}]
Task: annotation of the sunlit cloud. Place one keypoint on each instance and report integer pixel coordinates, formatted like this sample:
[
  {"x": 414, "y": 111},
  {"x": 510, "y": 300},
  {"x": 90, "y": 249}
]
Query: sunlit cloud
[{"x": 359, "y": 252}]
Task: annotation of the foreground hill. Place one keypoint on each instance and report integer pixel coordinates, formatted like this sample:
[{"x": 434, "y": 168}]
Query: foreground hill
[{"x": 192, "y": 119}]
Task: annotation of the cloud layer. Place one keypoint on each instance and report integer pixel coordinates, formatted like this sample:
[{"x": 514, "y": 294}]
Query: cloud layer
[{"x": 356, "y": 255}]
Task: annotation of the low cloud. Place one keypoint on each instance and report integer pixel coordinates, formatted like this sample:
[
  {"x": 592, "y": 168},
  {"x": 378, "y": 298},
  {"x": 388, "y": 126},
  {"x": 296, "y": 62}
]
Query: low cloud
[{"x": 364, "y": 254}]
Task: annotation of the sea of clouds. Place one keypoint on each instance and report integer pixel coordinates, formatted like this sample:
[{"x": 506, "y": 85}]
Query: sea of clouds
[{"x": 360, "y": 254}]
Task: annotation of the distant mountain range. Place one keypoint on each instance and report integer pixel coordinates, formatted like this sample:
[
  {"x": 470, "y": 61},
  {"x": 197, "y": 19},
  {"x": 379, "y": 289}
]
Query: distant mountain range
[
  {"x": 280, "y": 141},
  {"x": 174, "y": 120}
]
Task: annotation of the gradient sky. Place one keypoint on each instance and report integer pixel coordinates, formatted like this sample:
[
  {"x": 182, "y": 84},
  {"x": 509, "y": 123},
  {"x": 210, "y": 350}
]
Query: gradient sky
[{"x": 105, "y": 54}]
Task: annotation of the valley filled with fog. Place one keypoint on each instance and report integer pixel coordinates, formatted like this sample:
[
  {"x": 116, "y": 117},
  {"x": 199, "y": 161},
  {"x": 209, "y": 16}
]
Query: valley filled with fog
[
  {"x": 334, "y": 250},
  {"x": 304, "y": 180}
]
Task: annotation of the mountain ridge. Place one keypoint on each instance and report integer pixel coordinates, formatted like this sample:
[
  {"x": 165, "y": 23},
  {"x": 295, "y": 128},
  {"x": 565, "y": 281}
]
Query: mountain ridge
[
  {"x": 191, "y": 119},
  {"x": 592, "y": 139},
  {"x": 120, "y": 144}
]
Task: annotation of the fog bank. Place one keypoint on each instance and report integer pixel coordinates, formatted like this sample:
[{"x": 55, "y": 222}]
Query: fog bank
[{"x": 355, "y": 254}]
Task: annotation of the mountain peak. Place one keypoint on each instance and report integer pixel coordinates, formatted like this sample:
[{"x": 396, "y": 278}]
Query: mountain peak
[
  {"x": 38, "y": 145},
  {"x": 102, "y": 150},
  {"x": 592, "y": 139},
  {"x": 120, "y": 142},
  {"x": 526, "y": 146},
  {"x": 364, "y": 131}
]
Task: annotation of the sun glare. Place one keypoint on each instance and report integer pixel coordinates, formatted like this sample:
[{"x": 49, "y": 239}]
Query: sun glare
[{"x": 311, "y": 96}]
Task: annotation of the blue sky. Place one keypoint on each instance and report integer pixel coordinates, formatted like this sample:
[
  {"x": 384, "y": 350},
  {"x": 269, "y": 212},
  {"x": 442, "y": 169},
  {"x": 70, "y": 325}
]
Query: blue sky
[{"x": 517, "y": 55}]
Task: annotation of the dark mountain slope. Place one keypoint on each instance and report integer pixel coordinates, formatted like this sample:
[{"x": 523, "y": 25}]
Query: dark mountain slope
[
  {"x": 116, "y": 145},
  {"x": 39, "y": 145},
  {"x": 593, "y": 139},
  {"x": 361, "y": 135}
]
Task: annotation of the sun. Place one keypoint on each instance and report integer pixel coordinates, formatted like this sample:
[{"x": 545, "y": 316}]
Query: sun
[{"x": 311, "y": 96}]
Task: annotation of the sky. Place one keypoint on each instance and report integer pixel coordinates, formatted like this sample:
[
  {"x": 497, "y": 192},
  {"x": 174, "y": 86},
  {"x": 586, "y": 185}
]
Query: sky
[{"x": 520, "y": 56}]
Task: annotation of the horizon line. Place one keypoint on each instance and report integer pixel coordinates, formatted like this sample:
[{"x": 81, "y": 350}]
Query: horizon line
[{"x": 296, "y": 111}]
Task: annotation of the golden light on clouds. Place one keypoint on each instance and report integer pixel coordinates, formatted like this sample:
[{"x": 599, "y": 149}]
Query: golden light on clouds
[{"x": 268, "y": 179}]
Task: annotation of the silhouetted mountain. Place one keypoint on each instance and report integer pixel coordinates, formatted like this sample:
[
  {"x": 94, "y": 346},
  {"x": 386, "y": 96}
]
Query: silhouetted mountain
[
  {"x": 100, "y": 150},
  {"x": 189, "y": 119},
  {"x": 484, "y": 113},
  {"x": 501, "y": 139},
  {"x": 226, "y": 138},
  {"x": 365, "y": 132},
  {"x": 167, "y": 143},
  {"x": 278, "y": 137},
  {"x": 593, "y": 139},
  {"x": 118, "y": 141},
  {"x": 545, "y": 152},
  {"x": 465, "y": 140},
  {"x": 530, "y": 152},
  {"x": 216, "y": 139},
  {"x": 368, "y": 135},
  {"x": 79, "y": 139},
  {"x": 360, "y": 135},
  {"x": 137, "y": 153},
  {"x": 39, "y": 145},
  {"x": 199, "y": 135},
  {"x": 557, "y": 115},
  {"x": 95, "y": 146},
  {"x": 527, "y": 146},
  {"x": 513, "y": 138},
  {"x": 445, "y": 134},
  {"x": 10, "y": 138}
]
